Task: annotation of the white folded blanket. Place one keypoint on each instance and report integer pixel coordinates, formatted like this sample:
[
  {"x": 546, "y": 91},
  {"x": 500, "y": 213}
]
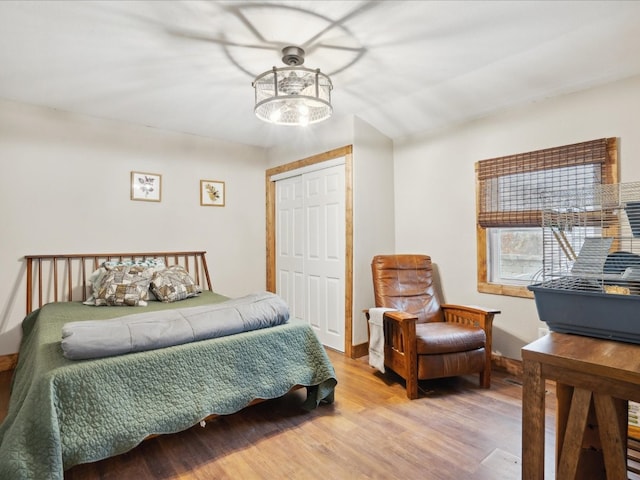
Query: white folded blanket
[
  {"x": 376, "y": 337},
  {"x": 163, "y": 328}
]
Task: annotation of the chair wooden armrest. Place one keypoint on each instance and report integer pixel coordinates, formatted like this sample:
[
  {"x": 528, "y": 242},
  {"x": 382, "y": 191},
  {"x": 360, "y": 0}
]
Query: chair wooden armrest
[
  {"x": 395, "y": 315},
  {"x": 400, "y": 317},
  {"x": 469, "y": 314},
  {"x": 479, "y": 317}
]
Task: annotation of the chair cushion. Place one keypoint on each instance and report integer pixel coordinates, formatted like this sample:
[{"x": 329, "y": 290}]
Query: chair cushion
[
  {"x": 406, "y": 283},
  {"x": 442, "y": 337},
  {"x": 451, "y": 364}
]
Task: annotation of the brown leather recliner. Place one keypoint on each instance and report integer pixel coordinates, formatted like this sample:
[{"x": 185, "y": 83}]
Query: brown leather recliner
[{"x": 422, "y": 338}]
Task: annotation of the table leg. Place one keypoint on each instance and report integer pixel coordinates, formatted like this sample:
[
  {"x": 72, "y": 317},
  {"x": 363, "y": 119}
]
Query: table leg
[
  {"x": 568, "y": 457},
  {"x": 612, "y": 423},
  {"x": 564, "y": 394},
  {"x": 533, "y": 413}
]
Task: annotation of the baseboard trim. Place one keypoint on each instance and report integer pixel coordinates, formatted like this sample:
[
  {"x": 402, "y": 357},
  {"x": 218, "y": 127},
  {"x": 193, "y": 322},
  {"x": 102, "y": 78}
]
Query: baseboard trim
[
  {"x": 8, "y": 362},
  {"x": 510, "y": 365},
  {"x": 360, "y": 350}
]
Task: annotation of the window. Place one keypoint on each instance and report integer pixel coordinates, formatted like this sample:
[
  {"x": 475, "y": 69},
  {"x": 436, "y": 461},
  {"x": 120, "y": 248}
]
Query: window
[
  {"x": 512, "y": 192},
  {"x": 515, "y": 254}
]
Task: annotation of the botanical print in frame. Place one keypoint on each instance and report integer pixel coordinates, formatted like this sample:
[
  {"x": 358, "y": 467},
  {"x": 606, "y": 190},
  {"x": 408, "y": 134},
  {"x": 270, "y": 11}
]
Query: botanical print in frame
[
  {"x": 146, "y": 186},
  {"x": 212, "y": 193}
]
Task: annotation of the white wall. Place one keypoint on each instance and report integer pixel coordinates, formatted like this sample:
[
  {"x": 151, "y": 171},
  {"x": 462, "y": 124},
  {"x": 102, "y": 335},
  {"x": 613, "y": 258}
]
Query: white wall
[
  {"x": 64, "y": 188},
  {"x": 312, "y": 140},
  {"x": 373, "y": 215},
  {"x": 435, "y": 187}
]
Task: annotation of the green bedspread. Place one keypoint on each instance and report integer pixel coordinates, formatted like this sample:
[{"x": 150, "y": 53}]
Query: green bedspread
[{"x": 64, "y": 412}]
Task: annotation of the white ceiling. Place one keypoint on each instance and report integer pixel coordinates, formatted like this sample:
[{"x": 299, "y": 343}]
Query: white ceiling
[{"x": 404, "y": 67}]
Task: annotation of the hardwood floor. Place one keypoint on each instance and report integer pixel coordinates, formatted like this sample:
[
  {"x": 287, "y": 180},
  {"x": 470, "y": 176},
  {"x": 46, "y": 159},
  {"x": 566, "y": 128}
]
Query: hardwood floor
[{"x": 455, "y": 430}]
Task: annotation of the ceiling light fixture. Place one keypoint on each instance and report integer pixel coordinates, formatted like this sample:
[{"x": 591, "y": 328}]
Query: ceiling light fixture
[{"x": 293, "y": 95}]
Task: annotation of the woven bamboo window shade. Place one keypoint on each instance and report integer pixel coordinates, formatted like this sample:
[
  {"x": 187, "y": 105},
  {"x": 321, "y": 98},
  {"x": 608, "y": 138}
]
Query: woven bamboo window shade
[{"x": 512, "y": 190}]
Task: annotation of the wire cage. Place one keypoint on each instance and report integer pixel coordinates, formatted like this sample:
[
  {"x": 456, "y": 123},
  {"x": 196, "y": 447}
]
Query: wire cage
[{"x": 591, "y": 262}]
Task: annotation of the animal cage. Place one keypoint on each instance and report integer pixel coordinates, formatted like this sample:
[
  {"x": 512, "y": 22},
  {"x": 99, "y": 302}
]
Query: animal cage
[{"x": 591, "y": 263}]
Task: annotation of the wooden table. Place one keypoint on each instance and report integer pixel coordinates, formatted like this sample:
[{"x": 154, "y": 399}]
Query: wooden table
[{"x": 595, "y": 379}]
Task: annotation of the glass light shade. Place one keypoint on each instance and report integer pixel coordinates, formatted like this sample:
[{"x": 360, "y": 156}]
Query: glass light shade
[{"x": 294, "y": 96}]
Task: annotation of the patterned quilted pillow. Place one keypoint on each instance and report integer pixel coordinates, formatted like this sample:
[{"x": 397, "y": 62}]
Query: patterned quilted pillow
[
  {"x": 97, "y": 277},
  {"x": 125, "y": 285},
  {"x": 96, "y": 280},
  {"x": 173, "y": 283}
]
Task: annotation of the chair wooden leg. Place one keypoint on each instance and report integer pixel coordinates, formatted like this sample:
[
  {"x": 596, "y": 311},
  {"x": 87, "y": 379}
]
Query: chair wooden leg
[
  {"x": 412, "y": 389},
  {"x": 409, "y": 347},
  {"x": 485, "y": 378},
  {"x": 485, "y": 375}
]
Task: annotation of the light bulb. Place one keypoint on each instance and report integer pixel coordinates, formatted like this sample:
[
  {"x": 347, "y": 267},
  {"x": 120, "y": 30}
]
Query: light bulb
[{"x": 275, "y": 115}]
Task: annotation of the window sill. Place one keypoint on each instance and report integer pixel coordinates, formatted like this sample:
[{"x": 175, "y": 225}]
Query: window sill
[{"x": 509, "y": 290}]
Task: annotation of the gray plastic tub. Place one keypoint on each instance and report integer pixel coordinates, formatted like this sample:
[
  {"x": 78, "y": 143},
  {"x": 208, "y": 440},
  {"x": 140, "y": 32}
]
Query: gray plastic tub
[{"x": 593, "y": 314}]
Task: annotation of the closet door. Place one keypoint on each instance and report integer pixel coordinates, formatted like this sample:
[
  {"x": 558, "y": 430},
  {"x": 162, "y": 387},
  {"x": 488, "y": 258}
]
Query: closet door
[
  {"x": 310, "y": 250},
  {"x": 290, "y": 284},
  {"x": 324, "y": 254}
]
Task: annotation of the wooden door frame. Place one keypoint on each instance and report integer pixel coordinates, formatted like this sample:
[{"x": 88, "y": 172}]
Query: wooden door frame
[{"x": 347, "y": 153}]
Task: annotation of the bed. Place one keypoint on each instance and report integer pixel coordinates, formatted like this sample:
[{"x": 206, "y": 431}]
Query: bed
[{"x": 65, "y": 412}]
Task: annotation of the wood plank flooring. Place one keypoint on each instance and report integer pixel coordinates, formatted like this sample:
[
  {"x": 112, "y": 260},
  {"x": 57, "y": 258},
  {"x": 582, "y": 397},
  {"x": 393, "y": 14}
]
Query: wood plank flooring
[{"x": 455, "y": 430}]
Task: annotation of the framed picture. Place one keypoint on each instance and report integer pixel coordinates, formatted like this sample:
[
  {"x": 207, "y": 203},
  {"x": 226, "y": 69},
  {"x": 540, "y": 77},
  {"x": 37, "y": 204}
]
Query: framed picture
[
  {"x": 146, "y": 186},
  {"x": 211, "y": 193}
]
